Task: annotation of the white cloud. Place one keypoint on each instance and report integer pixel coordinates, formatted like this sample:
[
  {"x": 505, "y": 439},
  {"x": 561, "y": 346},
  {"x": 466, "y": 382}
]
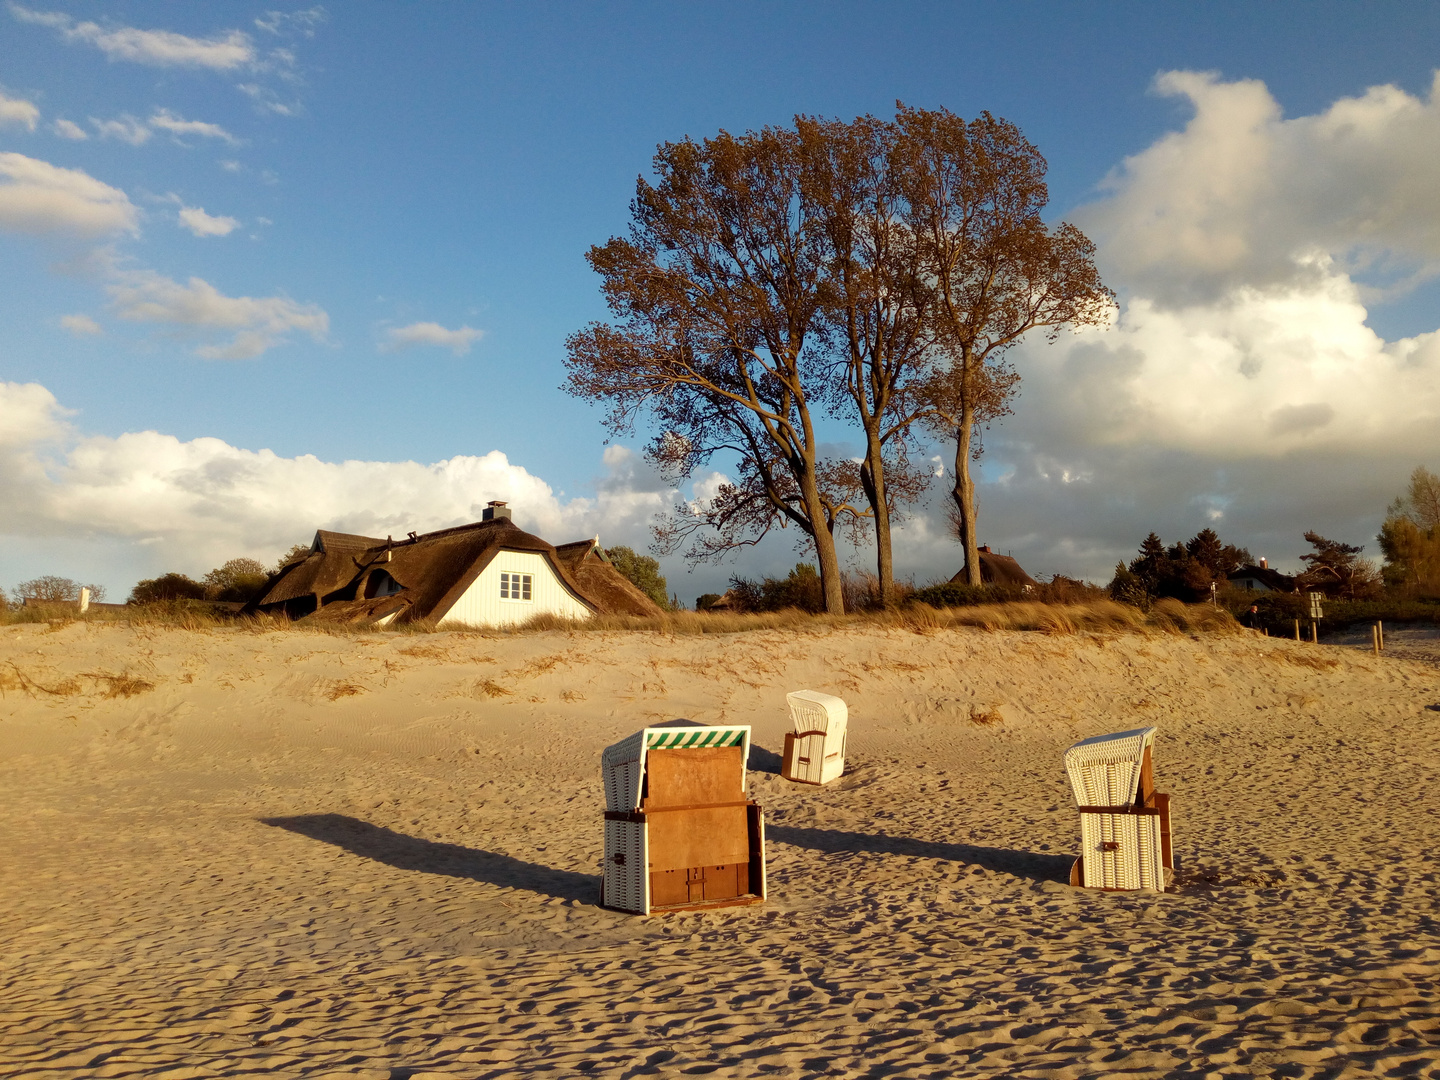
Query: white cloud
[
  {"x": 1243, "y": 196},
  {"x": 126, "y": 129},
  {"x": 68, "y": 129},
  {"x": 292, "y": 22},
  {"x": 258, "y": 322},
  {"x": 457, "y": 341},
  {"x": 81, "y": 325},
  {"x": 202, "y": 224},
  {"x": 165, "y": 120},
  {"x": 191, "y": 505},
  {"x": 41, "y": 198},
  {"x": 30, "y": 417},
  {"x": 230, "y": 166},
  {"x": 266, "y": 100},
  {"x": 156, "y": 48},
  {"x": 17, "y": 112},
  {"x": 1240, "y": 385}
]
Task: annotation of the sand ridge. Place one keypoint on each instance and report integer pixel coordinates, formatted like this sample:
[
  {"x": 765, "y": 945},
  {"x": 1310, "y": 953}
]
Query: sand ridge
[{"x": 377, "y": 856}]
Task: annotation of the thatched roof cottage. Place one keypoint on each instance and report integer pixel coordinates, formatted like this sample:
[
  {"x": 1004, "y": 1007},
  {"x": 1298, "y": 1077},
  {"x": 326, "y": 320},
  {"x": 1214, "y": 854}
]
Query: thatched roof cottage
[
  {"x": 997, "y": 569},
  {"x": 490, "y": 573}
]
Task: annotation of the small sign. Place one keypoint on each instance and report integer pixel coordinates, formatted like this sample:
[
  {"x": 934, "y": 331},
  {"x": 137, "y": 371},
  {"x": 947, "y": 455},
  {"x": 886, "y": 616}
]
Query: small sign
[{"x": 1316, "y": 611}]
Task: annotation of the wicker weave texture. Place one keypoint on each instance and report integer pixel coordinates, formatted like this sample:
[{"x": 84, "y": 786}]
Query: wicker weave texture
[
  {"x": 1105, "y": 770},
  {"x": 1122, "y": 851},
  {"x": 821, "y": 726},
  {"x": 627, "y": 867}
]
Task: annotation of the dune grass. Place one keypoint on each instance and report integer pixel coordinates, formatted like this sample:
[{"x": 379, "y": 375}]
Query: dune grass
[
  {"x": 1167, "y": 616},
  {"x": 1090, "y": 616}
]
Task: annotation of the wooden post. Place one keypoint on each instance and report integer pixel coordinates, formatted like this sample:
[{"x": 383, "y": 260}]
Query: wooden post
[
  {"x": 1297, "y": 629},
  {"x": 1380, "y": 633},
  {"x": 1375, "y": 638},
  {"x": 1315, "y": 631}
]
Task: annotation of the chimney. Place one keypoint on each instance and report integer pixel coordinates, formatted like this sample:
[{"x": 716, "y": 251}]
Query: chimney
[
  {"x": 496, "y": 511},
  {"x": 1263, "y": 564}
]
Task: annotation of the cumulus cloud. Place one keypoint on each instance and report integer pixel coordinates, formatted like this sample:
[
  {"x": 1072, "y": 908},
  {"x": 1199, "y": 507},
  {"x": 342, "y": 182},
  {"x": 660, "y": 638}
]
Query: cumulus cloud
[
  {"x": 17, "y": 112},
  {"x": 156, "y": 48},
  {"x": 37, "y": 197},
  {"x": 165, "y": 120},
  {"x": 202, "y": 224},
  {"x": 68, "y": 129},
  {"x": 81, "y": 325},
  {"x": 125, "y": 129},
  {"x": 457, "y": 341},
  {"x": 259, "y": 323},
  {"x": 1240, "y": 385},
  {"x": 192, "y": 504},
  {"x": 1243, "y": 196}
]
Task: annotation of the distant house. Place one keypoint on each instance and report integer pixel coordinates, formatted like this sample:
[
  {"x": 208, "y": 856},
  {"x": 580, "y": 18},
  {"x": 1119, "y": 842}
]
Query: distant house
[
  {"x": 1261, "y": 579},
  {"x": 996, "y": 569},
  {"x": 489, "y": 573}
]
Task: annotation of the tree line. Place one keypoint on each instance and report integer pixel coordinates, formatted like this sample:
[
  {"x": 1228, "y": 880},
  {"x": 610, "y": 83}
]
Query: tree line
[
  {"x": 1409, "y": 542},
  {"x": 875, "y": 272}
]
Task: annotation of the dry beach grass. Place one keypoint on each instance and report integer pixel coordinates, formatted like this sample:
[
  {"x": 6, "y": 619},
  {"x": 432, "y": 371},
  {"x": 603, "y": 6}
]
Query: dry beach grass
[{"x": 244, "y": 852}]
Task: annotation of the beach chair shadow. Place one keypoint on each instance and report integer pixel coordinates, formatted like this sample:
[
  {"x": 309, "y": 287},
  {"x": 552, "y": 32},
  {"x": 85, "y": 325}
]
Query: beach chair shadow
[
  {"x": 762, "y": 760},
  {"x": 1033, "y": 865},
  {"x": 403, "y": 852}
]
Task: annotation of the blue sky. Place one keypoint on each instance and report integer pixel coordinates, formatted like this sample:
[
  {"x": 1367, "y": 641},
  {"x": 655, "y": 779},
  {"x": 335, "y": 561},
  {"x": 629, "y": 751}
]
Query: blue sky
[{"x": 356, "y": 234}]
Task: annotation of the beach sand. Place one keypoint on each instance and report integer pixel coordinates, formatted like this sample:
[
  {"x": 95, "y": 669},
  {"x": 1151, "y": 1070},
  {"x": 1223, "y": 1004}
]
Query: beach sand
[{"x": 287, "y": 854}]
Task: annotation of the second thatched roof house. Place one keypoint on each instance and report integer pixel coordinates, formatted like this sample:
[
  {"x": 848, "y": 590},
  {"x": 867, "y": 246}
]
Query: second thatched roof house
[
  {"x": 490, "y": 573},
  {"x": 997, "y": 569}
]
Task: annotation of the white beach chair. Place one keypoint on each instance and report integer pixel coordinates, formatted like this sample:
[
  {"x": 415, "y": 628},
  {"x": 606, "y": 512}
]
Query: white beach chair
[
  {"x": 1124, "y": 822},
  {"x": 815, "y": 750},
  {"x": 680, "y": 832}
]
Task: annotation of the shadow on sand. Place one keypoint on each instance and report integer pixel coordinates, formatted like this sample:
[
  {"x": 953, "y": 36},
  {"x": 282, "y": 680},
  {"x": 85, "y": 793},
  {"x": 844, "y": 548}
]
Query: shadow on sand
[
  {"x": 409, "y": 853},
  {"x": 762, "y": 760},
  {"x": 1024, "y": 864}
]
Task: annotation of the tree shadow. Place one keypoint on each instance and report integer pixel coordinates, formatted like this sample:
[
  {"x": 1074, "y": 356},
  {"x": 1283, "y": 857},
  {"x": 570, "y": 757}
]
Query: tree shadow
[
  {"x": 1026, "y": 864},
  {"x": 762, "y": 760},
  {"x": 411, "y": 853}
]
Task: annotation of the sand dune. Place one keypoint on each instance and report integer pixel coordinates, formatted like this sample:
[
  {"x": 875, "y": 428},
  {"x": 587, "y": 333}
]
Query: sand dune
[{"x": 235, "y": 854}]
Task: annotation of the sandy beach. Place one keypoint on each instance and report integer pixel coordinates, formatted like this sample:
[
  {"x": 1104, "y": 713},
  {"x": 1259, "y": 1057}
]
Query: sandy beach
[{"x": 289, "y": 854}]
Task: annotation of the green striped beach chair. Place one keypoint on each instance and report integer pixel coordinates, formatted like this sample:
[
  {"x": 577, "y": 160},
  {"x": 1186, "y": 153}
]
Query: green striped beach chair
[{"x": 680, "y": 832}]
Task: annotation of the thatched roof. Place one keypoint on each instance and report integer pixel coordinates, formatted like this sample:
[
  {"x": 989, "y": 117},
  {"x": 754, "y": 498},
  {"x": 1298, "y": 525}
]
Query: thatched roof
[
  {"x": 433, "y": 570},
  {"x": 1271, "y": 579},
  {"x": 611, "y": 591},
  {"x": 997, "y": 569}
]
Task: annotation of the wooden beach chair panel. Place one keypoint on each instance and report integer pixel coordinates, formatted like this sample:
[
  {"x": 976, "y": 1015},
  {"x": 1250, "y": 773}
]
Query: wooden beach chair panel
[
  {"x": 694, "y": 777},
  {"x": 698, "y": 836}
]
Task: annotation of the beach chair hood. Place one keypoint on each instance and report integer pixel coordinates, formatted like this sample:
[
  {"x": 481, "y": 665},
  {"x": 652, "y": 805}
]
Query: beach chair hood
[
  {"x": 1105, "y": 770},
  {"x": 624, "y": 762}
]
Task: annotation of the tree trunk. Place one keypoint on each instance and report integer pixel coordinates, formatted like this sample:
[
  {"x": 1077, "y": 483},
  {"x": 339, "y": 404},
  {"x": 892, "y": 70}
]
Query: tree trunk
[
  {"x": 964, "y": 493},
  {"x": 872, "y": 478},
  {"x": 824, "y": 545}
]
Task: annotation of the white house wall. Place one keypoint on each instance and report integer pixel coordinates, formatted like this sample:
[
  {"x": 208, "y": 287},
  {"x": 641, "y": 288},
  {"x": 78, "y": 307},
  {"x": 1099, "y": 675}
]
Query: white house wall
[{"x": 481, "y": 604}]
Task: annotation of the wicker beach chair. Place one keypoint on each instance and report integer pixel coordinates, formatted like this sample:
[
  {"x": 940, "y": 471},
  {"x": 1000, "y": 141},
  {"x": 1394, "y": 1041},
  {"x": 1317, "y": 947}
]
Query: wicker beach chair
[
  {"x": 815, "y": 750},
  {"x": 680, "y": 832},
  {"x": 1124, "y": 822}
]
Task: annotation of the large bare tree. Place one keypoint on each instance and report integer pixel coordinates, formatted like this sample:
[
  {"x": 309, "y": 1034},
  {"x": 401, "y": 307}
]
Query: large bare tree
[
  {"x": 973, "y": 195},
  {"x": 875, "y": 308},
  {"x": 714, "y": 294}
]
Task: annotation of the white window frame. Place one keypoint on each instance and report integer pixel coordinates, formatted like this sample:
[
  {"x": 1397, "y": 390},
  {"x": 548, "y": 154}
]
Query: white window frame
[{"x": 512, "y": 582}]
